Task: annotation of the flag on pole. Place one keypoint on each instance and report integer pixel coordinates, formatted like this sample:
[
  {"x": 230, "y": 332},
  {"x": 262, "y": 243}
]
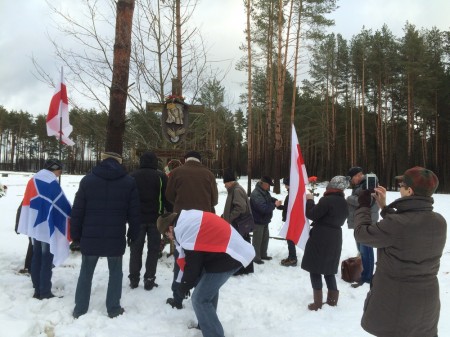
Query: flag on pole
[
  {"x": 296, "y": 227},
  {"x": 58, "y": 123}
]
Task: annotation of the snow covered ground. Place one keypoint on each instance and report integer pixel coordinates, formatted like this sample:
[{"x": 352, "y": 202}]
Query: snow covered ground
[{"x": 272, "y": 302}]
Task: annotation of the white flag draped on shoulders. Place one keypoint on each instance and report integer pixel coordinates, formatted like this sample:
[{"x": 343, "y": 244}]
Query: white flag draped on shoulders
[
  {"x": 45, "y": 214},
  {"x": 58, "y": 123},
  {"x": 296, "y": 227}
]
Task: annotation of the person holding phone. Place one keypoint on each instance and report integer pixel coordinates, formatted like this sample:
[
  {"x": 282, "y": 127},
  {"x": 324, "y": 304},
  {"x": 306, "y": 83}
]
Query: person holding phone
[
  {"x": 410, "y": 238},
  {"x": 359, "y": 181}
]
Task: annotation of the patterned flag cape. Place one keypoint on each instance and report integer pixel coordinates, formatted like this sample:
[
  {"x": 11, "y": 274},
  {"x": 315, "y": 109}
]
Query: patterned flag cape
[
  {"x": 206, "y": 232},
  {"x": 45, "y": 214}
]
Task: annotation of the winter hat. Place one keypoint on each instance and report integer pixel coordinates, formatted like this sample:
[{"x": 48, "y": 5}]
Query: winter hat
[
  {"x": 53, "y": 164},
  {"x": 149, "y": 159},
  {"x": 354, "y": 171},
  {"x": 228, "y": 176},
  {"x": 267, "y": 179},
  {"x": 422, "y": 181},
  {"x": 114, "y": 155},
  {"x": 193, "y": 154},
  {"x": 164, "y": 221},
  {"x": 286, "y": 181},
  {"x": 338, "y": 183}
]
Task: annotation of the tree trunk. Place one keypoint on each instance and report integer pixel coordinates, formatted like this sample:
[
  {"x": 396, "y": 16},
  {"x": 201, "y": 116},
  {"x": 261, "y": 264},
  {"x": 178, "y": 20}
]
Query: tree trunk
[
  {"x": 249, "y": 102},
  {"x": 119, "y": 85}
]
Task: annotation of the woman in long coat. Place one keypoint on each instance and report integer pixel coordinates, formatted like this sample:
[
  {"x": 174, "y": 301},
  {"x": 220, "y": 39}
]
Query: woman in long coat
[
  {"x": 403, "y": 300},
  {"x": 324, "y": 245}
]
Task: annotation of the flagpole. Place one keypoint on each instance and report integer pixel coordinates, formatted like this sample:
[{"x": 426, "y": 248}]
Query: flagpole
[{"x": 60, "y": 119}]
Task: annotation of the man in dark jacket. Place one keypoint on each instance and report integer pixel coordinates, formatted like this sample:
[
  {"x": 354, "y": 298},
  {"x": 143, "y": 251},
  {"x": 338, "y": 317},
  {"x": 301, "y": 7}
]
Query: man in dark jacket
[
  {"x": 404, "y": 297},
  {"x": 106, "y": 200},
  {"x": 212, "y": 250},
  {"x": 151, "y": 184},
  {"x": 190, "y": 186},
  {"x": 262, "y": 204}
]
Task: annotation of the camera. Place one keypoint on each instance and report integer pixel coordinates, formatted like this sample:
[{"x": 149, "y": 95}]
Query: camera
[{"x": 371, "y": 182}]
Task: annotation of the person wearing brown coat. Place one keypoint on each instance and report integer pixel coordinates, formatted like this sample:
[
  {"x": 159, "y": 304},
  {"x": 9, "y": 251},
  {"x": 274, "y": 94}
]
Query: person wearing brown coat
[
  {"x": 190, "y": 186},
  {"x": 404, "y": 297}
]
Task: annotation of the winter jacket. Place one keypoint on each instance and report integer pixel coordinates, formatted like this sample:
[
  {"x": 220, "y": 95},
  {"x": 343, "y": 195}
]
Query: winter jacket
[
  {"x": 262, "y": 204},
  {"x": 151, "y": 185},
  {"x": 353, "y": 204},
  {"x": 192, "y": 186},
  {"x": 324, "y": 245},
  {"x": 106, "y": 200},
  {"x": 404, "y": 298},
  {"x": 237, "y": 203}
]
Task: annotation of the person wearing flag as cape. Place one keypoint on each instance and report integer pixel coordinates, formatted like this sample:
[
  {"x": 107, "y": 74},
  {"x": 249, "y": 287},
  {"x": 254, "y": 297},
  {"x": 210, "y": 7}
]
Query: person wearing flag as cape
[
  {"x": 44, "y": 217},
  {"x": 210, "y": 252}
]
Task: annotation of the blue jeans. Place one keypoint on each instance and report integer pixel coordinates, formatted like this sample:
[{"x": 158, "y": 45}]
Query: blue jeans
[
  {"x": 41, "y": 269},
  {"x": 84, "y": 285},
  {"x": 368, "y": 262},
  {"x": 205, "y": 299}
]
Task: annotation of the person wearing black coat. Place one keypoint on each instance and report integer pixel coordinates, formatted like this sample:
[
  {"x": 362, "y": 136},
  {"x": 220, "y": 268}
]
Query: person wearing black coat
[
  {"x": 262, "y": 205},
  {"x": 151, "y": 184},
  {"x": 324, "y": 245},
  {"x": 106, "y": 200}
]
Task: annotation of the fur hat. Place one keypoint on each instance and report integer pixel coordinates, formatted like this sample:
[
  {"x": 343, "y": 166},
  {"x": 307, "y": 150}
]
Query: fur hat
[
  {"x": 53, "y": 164},
  {"x": 193, "y": 154},
  {"x": 422, "y": 181},
  {"x": 114, "y": 155},
  {"x": 228, "y": 176},
  {"x": 267, "y": 179},
  {"x": 354, "y": 171},
  {"x": 338, "y": 183},
  {"x": 164, "y": 221}
]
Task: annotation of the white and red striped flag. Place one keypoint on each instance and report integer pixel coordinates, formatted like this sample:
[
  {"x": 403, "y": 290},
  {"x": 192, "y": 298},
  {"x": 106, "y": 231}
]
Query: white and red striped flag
[
  {"x": 58, "y": 123},
  {"x": 296, "y": 227}
]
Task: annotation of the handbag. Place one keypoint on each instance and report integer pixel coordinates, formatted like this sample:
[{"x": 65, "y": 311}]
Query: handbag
[
  {"x": 244, "y": 223},
  {"x": 351, "y": 269}
]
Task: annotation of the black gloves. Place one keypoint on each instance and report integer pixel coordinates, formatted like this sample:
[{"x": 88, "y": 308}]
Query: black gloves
[{"x": 365, "y": 199}]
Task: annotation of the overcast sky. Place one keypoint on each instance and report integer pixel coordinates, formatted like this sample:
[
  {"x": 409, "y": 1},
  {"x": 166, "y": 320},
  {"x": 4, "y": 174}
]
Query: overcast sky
[{"x": 26, "y": 23}]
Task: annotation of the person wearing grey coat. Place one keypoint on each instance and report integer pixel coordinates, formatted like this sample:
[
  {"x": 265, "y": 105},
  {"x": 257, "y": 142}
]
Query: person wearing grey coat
[
  {"x": 357, "y": 180},
  {"x": 237, "y": 203},
  {"x": 404, "y": 298}
]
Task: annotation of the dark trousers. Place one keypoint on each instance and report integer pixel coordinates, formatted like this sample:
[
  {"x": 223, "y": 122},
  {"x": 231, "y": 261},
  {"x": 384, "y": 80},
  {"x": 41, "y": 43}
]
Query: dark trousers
[
  {"x": 149, "y": 231},
  {"x": 41, "y": 269},
  {"x": 316, "y": 281},
  {"x": 29, "y": 255},
  {"x": 249, "y": 269},
  {"x": 291, "y": 250}
]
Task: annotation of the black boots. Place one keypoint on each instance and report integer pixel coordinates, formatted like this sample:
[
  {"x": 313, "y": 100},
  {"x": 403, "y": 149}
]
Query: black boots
[{"x": 149, "y": 283}]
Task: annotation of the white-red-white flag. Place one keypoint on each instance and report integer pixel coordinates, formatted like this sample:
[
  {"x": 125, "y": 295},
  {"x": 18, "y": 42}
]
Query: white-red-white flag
[
  {"x": 296, "y": 227},
  {"x": 58, "y": 123}
]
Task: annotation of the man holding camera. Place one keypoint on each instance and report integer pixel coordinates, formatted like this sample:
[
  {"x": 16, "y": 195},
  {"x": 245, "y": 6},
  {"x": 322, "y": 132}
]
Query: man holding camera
[{"x": 358, "y": 183}]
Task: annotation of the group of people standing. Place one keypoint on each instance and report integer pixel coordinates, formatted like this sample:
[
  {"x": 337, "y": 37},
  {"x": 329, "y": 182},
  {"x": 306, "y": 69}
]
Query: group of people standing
[{"x": 404, "y": 293}]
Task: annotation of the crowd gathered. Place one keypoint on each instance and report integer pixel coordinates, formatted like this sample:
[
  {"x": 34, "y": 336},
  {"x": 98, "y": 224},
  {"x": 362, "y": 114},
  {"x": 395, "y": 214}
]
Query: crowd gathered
[{"x": 114, "y": 209}]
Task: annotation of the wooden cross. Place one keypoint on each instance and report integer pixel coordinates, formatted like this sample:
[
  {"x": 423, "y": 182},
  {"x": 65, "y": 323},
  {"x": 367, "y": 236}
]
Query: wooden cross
[{"x": 175, "y": 113}]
